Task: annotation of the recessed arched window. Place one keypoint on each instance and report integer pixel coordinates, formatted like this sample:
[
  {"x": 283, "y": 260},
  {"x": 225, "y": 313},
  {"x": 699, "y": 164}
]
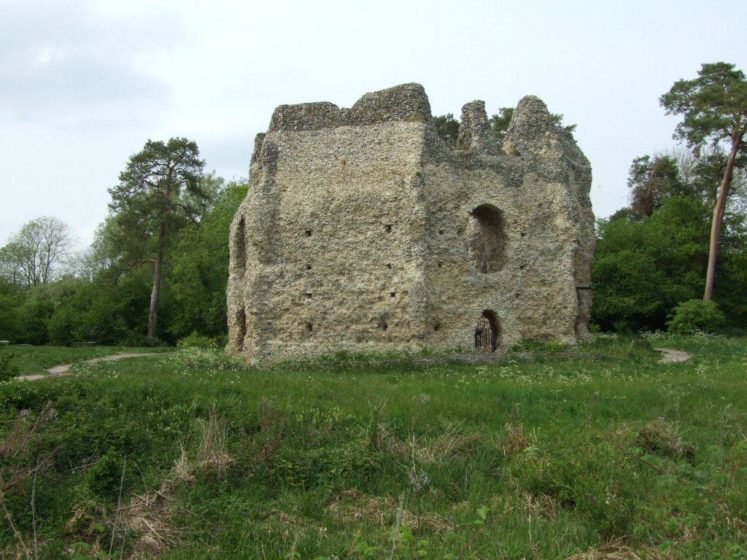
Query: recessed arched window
[{"x": 486, "y": 239}]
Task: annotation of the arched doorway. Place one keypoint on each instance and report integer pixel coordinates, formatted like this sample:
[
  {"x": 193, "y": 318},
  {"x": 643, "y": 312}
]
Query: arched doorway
[{"x": 487, "y": 332}]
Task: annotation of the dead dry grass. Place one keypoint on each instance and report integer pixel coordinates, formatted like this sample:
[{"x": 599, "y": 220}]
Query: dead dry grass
[
  {"x": 425, "y": 450},
  {"x": 613, "y": 550},
  {"x": 353, "y": 508},
  {"x": 663, "y": 437},
  {"x": 147, "y": 521},
  {"x": 212, "y": 454}
]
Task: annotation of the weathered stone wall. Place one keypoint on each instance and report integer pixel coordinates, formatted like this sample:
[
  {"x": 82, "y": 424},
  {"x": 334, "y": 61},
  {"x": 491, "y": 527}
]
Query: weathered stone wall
[{"x": 363, "y": 231}]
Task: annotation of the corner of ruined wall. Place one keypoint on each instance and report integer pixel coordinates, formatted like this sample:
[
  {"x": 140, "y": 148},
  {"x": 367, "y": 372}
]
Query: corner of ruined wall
[
  {"x": 252, "y": 272},
  {"x": 551, "y": 153},
  {"x": 533, "y": 136}
]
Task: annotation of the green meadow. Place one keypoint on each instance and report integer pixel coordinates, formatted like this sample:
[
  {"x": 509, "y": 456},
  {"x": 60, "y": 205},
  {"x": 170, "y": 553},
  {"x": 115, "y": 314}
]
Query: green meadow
[{"x": 193, "y": 454}]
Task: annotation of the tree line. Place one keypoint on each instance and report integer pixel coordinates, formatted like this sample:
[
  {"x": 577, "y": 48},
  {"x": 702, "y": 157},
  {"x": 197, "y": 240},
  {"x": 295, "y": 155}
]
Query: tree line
[
  {"x": 158, "y": 266},
  {"x": 155, "y": 272}
]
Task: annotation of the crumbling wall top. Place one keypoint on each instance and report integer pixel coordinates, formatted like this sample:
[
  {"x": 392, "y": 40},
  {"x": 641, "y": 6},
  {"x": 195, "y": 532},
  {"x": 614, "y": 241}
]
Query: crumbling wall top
[
  {"x": 543, "y": 145},
  {"x": 406, "y": 102}
]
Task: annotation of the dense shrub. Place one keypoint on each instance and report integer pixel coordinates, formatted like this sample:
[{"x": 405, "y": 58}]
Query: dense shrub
[
  {"x": 196, "y": 340},
  {"x": 696, "y": 315},
  {"x": 7, "y": 369},
  {"x": 90, "y": 314},
  {"x": 194, "y": 294},
  {"x": 10, "y": 321},
  {"x": 105, "y": 475},
  {"x": 645, "y": 266}
]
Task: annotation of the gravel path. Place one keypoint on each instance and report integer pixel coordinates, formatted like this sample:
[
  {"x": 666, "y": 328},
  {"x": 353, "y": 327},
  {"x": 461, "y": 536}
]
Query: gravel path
[
  {"x": 672, "y": 355},
  {"x": 64, "y": 369}
]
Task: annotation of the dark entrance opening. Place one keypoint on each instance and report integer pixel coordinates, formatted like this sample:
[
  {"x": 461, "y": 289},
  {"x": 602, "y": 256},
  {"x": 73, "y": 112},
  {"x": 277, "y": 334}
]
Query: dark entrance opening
[{"x": 486, "y": 332}]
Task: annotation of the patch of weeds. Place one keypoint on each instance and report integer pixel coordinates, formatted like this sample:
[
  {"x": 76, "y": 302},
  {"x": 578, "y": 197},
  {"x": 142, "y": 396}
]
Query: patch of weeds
[
  {"x": 195, "y": 340},
  {"x": 212, "y": 452},
  {"x": 513, "y": 440},
  {"x": 663, "y": 437},
  {"x": 612, "y": 550},
  {"x": 196, "y": 358},
  {"x": 87, "y": 521},
  {"x": 628, "y": 346},
  {"x": 8, "y": 370},
  {"x": 105, "y": 475},
  {"x": 600, "y": 483}
]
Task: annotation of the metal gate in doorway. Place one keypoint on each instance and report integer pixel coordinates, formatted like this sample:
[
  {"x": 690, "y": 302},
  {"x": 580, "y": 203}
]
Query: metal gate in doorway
[{"x": 484, "y": 336}]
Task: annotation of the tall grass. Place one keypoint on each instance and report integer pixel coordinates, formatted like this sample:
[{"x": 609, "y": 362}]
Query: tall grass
[{"x": 612, "y": 455}]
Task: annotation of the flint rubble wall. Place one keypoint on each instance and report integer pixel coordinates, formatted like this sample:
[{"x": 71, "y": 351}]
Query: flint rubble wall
[{"x": 362, "y": 231}]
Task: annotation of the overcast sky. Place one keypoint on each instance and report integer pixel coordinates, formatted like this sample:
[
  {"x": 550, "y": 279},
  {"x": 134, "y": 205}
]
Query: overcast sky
[{"x": 83, "y": 83}]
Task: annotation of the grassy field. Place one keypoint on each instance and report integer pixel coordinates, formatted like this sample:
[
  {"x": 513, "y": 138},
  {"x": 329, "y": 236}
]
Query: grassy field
[
  {"x": 193, "y": 455},
  {"x": 35, "y": 359}
]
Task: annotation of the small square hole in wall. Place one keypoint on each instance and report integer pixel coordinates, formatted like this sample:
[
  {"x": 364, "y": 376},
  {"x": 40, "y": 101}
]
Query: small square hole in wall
[
  {"x": 383, "y": 325},
  {"x": 388, "y": 228},
  {"x": 440, "y": 232},
  {"x": 308, "y": 267},
  {"x": 308, "y": 295},
  {"x": 389, "y": 266},
  {"x": 392, "y": 294},
  {"x": 437, "y": 327},
  {"x": 522, "y": 267},
  {"x": 309, "y": 328},
  {"x": 440, "y": 264},
  {"x": 523, "y": 234},
  {"x": 308, "y": 233}
]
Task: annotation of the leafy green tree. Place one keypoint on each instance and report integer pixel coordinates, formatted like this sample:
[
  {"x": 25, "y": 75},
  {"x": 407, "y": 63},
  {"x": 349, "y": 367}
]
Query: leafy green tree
[
  {"x": 714, "y": 111},
  {"x": 643, "y": 268},
  {"x": 447, "y": 128},
  {"x": 158, "y": 193},
  {"x": 198, "y": 273},
  {"x": 500, "y": 121},
  {"x": 708, "y": 168},
  {"x": 10, "y": 320},
  {"x": 653, "y": 180},
  {"x": 36, "y": 254},
  {"x": 35, "y": 314},
  {"x": 91, "y": 313}
]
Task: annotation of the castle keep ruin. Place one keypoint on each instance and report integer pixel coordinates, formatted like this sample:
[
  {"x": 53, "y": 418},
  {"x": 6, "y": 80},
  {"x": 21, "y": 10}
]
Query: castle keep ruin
[{"x": 362, "y": 230}]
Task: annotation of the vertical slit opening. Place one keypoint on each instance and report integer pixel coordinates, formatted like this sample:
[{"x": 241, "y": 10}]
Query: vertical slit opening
[
  {"x": 241, "y": 322},
  {"x": 239, "y": 245}
]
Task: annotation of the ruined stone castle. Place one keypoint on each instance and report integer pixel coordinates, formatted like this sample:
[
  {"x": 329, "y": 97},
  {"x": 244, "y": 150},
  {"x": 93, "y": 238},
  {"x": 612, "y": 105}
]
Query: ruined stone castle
[{"x": 363, "y": 231}]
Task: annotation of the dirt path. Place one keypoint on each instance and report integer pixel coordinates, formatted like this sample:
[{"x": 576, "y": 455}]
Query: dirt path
[
  {"x": 673, "y": 356},
  {"x": 64, "y": 369}
]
